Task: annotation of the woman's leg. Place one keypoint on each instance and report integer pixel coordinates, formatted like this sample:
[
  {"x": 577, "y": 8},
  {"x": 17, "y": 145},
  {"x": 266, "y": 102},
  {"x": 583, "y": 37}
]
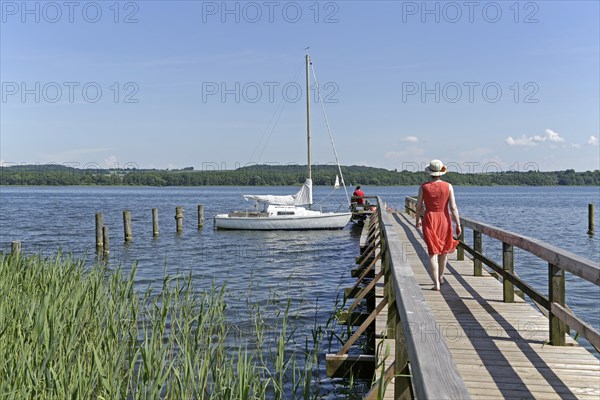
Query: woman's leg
[
  {"x": 442, "y": 258},
  {"x": 433, "y": 260}
]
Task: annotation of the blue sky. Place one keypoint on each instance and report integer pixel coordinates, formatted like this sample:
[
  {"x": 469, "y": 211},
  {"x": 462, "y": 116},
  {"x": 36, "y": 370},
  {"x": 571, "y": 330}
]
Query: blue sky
[{"x": 484, "y": 86}]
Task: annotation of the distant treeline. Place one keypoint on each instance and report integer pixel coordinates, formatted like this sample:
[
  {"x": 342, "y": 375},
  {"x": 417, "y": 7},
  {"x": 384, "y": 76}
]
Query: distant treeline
[{"x": 280, "y": 175}]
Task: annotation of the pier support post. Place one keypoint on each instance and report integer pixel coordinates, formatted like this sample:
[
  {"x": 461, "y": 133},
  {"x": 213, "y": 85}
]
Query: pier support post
[
  {"x": 15, "y": 248},
  {"x": 200, "y": 216},
  {"x": 508, "y": 264},
  {"x": 127, "y": 225},
  {"x": 155, "y": 222},
  {"x": 590, "y": 219},
  {"x": 99, "y": 225},
  {"x": 105, "y": 241},
  {"x": 478, "y": 247},
  {"x": 460, "y": 251},
  {"x": 556, "y": 293},
  {"x": 179, "y": 219}
]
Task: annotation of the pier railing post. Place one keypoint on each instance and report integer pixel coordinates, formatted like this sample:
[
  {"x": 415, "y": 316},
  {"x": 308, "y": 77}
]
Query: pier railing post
[
  {"x": 508, "y": 264},
  {"x": 99, "y": 225},
  {"x": 556, "y": 294},
  {"x": 460, "y": 251},
  {"x": 478, "y": 247},
  {"x": 127, "y": 225}
]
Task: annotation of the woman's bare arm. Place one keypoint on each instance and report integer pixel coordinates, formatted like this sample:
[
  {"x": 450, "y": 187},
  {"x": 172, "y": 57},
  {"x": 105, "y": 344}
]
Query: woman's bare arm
[
  {"x": 454, "y": 210},
  {"x": 419, "y": 207}
]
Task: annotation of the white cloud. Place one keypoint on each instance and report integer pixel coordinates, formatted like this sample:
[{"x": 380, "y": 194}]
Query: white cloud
[
  {"x": 552, "y": 136},
  {"x": 593, "y": 140},
  {"x": 549, "y": 136},
  {"x": 522, "y": 141},
  {"x": 411, "y": 139}
]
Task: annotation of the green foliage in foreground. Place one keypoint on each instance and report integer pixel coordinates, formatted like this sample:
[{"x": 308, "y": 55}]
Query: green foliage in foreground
[
  {"x": 285, "y": 175},
  {"x": 67, "y": 332}
]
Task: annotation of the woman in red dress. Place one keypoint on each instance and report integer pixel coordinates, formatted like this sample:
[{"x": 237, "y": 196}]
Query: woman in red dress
[{"x": 437, "y": 226}]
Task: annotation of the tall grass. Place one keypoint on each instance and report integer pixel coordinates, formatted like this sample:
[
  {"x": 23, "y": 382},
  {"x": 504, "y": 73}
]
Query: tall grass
[{"x": 67, "y": 331}]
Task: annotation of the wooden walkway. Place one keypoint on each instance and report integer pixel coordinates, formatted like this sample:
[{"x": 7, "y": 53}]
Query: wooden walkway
[{"x": 499, "y": 348}]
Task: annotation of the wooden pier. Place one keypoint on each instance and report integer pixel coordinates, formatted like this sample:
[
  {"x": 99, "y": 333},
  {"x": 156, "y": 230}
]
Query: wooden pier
[{"x": 474, "y": 338}]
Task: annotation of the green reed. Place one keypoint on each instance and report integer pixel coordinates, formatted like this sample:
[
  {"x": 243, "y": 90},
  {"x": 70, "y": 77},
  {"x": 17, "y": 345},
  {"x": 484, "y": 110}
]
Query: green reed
[{"x": 67, "y": 331}]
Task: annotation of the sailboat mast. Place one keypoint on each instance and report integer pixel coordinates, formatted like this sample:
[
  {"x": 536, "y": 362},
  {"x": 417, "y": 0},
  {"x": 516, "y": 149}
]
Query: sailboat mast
[{"x": 308, "y": 114}]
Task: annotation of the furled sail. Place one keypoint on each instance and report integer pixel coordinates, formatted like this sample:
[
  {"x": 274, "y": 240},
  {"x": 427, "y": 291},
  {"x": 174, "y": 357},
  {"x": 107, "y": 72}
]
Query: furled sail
[{"x": 303, "y": 197}]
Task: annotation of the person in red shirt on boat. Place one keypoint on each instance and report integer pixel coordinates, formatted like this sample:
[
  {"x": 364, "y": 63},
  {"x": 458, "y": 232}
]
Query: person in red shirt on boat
[{"x": 359, "y": 194}]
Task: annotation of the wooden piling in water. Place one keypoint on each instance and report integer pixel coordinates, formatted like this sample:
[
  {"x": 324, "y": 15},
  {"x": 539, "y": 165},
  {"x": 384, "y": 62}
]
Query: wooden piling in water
[
  {"x": 105, "y": 241},
  {"x": 155, "y": 221},
  {"x": 179, "y": 218},
  {"x": 15, "y": 248},
  {"x": 127, "y": 225},
  {"x": 99, "y": 225},
  {"x": 590, "y": 219},
  {"x": 200, "y": 216}
]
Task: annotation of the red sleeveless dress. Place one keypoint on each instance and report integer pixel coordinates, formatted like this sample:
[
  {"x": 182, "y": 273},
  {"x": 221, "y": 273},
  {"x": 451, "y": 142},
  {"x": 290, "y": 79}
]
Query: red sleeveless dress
[{"x": 437, "y": 225}]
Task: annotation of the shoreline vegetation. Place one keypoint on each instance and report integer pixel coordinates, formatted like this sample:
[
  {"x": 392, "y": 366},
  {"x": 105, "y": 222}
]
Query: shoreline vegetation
[
  {"x": 68, "y": 330},
  {"x": 277, "y": 175}
]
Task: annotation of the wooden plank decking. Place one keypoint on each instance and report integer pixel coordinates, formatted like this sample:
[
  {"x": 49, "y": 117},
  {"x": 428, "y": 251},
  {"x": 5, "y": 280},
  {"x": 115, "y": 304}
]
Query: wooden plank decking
[{"x": 500, "y": 348}]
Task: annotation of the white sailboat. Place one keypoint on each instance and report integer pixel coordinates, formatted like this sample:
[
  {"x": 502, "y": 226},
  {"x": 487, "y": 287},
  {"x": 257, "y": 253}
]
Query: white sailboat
[{"x": 291, "y": 212}]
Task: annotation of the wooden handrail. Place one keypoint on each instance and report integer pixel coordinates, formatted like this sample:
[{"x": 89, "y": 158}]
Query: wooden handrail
[{"x": 558, "y": 260}]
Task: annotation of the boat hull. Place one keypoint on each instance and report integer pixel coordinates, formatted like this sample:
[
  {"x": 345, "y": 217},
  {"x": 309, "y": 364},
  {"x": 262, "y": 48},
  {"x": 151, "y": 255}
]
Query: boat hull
[{"x": 322, "y": 221}]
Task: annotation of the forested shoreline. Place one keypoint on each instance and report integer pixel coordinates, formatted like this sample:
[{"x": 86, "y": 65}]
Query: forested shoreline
[{"x": 280, "y": 175}]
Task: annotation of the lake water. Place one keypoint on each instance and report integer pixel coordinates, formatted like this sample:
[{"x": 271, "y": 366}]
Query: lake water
[{"x": 309, "y": 268}]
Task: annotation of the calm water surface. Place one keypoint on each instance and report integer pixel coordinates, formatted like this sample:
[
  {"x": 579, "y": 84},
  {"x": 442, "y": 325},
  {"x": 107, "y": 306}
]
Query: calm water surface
[{"x": 309, "y": 268}]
